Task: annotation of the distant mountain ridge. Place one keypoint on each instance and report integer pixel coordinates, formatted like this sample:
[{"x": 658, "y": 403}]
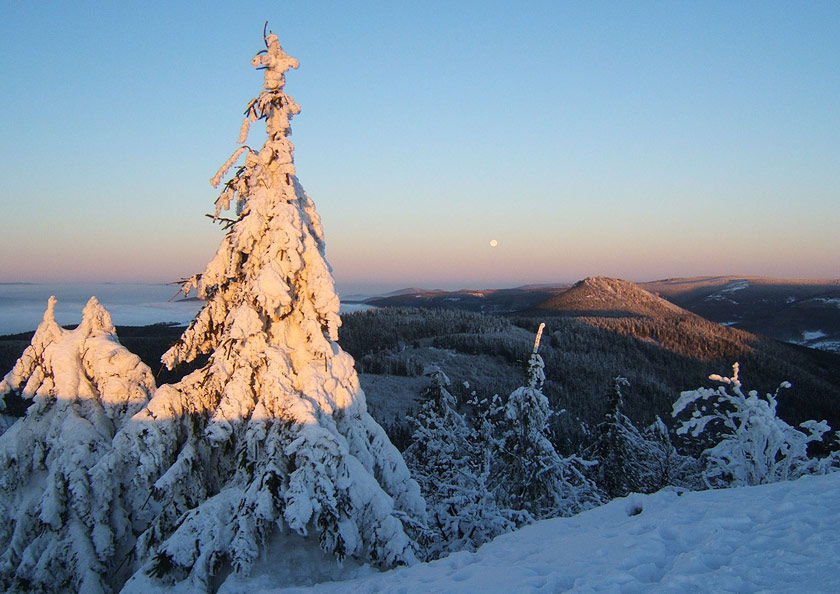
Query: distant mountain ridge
[
  {"x": 493, "y": 301},
  {"x": 805, "y": 312},
  {"x": 623, "y": 307},
  {"x": 800, "y": 311}
]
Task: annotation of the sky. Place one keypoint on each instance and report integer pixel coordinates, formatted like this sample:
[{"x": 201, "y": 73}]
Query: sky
[{"x": 636, "y": 140}]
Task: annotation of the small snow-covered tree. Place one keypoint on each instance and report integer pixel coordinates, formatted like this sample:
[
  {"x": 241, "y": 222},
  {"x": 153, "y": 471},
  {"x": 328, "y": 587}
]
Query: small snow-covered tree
[
  {"x": 635, "y": 461},
  {"x": 272, "y": 437},
  {"x": 529, "y": 474},
  {"x": 615, "y": 448},
  {"x": 750, "y": 444},
  {"x": 55, "y": 534},
  {"x": 664, "y": 464},
  {"x": 451, "y": 466}
]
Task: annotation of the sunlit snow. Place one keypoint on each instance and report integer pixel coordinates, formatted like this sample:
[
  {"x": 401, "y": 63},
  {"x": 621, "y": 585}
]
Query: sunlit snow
[{"x": 733, "y": 286}]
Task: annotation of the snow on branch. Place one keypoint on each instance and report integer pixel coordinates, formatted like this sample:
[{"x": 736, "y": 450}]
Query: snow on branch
[
  {"x": 749, "y": 443},
  {"x": 216, "y": 179}
]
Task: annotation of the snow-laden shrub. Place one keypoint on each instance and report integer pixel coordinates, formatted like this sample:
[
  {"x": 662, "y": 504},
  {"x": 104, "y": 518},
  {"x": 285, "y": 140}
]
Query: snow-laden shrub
[{"x": 750, "y": 444}]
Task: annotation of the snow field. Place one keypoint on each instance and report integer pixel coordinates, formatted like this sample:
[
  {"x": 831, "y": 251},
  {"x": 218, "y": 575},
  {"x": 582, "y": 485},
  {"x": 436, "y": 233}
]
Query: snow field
[{"x": 770, "y": 538}]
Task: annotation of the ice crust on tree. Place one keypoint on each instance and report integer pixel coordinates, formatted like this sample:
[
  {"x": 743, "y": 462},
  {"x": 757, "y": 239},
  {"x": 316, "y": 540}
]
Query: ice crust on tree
[
  {"x": 273, "y": 433},
  {"x": 83, "y": 385}
]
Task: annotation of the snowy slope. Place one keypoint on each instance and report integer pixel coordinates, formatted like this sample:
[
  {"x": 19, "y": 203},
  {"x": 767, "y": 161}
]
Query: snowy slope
[{"x": 773, "y": 538}]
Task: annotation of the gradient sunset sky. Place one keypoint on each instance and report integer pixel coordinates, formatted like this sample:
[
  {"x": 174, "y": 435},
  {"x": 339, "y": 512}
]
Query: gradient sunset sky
[{"x": 637, "y": 140}]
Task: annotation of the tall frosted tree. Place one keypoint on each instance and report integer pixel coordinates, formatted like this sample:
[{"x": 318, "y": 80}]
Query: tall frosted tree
[
  {"x": 83, "y": 386},
  {"x": 530, "y": 474},
  {"x": 270, "y": 443}
]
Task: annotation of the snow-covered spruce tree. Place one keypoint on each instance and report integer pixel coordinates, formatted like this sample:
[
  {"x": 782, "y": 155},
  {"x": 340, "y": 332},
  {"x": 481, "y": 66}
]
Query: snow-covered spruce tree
[
  {"x": 750, "y": 445},
  {"x": 55, "y": 535},
  {"x": 529, "y": 474},
  {"x": 451, "y": 467},
  {"x": 271, "y": 440},
  {"x": 634, "y": 461}
]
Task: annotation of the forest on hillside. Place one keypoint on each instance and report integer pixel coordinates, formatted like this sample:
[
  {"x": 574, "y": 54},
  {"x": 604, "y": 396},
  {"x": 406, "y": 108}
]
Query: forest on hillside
[
  {"x": 393, "y": 347},
  {"x": 660, "y": 359}
]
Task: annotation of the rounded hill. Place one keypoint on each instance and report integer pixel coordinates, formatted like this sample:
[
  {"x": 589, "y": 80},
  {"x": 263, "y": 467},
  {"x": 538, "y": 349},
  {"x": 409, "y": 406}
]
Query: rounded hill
[{"x": 605, "y": 297}]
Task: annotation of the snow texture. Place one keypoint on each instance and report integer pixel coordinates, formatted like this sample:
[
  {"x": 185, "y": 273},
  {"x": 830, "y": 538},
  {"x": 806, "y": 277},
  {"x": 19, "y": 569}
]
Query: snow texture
[{"x": 770, "y": 538}]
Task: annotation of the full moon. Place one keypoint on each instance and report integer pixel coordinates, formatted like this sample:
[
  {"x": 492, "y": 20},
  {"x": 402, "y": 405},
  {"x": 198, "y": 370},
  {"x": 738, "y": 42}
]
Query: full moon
[{"x": 493, "y": 243}]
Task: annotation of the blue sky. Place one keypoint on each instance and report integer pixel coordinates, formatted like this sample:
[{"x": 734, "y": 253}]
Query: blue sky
[{"x": 637, "y": 140}]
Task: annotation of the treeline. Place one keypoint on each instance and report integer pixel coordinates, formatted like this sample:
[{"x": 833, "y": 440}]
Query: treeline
[
  {"x": 377, "y": 338},
  {"x": 659, "y": 357},
  {"x": 390, "y": 328}
]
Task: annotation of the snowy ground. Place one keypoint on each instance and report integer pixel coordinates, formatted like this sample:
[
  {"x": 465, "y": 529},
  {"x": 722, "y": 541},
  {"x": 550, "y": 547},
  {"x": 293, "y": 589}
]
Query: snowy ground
[{"x": 774, "y": 538}]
